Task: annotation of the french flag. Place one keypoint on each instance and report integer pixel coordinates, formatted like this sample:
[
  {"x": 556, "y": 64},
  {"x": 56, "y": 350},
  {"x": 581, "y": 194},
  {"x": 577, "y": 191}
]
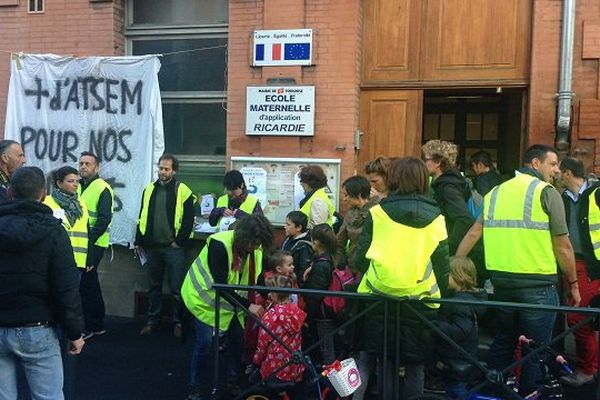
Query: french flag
[{"x": 267, "y": 52}]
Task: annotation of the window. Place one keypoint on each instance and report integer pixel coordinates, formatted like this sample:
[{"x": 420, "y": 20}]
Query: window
[
  {"x": 36, "y": 6},
  {"x": 192, "y": 36},
  {"x": 179, "y": 12}
]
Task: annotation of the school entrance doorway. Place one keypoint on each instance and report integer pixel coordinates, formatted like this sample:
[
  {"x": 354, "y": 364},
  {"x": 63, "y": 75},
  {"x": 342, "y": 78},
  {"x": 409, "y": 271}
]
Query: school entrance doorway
[{"x": 487, "y": 119}]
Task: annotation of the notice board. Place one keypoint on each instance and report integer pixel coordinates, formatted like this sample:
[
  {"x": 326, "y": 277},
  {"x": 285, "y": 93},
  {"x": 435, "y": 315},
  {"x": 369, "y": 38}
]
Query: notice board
[{"x": 276, "y": 183}]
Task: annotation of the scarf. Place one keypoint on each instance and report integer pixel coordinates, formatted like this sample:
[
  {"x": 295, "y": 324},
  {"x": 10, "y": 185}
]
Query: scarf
[{"x": 70, "y": 204}]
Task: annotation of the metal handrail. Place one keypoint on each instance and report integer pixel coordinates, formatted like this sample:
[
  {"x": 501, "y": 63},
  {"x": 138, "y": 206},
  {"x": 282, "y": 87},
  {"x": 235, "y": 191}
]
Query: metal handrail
[{"x": 299, "y": 357}]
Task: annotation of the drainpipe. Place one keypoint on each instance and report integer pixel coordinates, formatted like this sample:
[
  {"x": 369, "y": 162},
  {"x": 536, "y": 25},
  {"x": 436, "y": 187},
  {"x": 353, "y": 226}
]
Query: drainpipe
[{"x": 565, "y": 95}]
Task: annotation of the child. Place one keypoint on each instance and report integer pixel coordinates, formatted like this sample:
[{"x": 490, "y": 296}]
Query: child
[
  {"x": 285, "y": 320},
  {"x": 459, "y": 322},
  {"x": 280, "y": 263},
  {"x": 318, "y": 276},
  {"x": 298, "y": 243}
]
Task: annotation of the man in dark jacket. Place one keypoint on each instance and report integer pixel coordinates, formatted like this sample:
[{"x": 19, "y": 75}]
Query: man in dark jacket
[
  {"x": 487, "y": 176},
  {"x": 580, "y": 215},
  {"x": 165, "y": 224},
  {"x": 11, "y": 158},
  {"x": 39, "y": 289}
]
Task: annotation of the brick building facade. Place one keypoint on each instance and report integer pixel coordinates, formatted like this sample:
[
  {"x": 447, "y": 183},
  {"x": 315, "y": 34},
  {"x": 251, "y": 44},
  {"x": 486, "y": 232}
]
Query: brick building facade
[{"x": 85, "y": 27}]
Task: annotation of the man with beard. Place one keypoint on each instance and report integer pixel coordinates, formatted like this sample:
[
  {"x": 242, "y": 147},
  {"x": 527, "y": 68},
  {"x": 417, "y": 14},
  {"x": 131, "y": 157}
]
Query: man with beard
[{"x": 164, "y": 227}]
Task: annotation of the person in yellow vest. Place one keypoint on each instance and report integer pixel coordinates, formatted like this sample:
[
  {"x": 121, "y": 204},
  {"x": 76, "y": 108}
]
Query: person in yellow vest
[
  {"x": 235, "y": 204},
  {"x": 71, "y": 210},
  {"x": 525, "y": 236},
  {"x": 581, "y": 199},
  {"x": 98, "y": 196},
  {"x": 233, "y": 257},
  {"x": 316, "y": 204},
  {"x": 403, "y": 253},
  {"x": 164, "y": 227}
]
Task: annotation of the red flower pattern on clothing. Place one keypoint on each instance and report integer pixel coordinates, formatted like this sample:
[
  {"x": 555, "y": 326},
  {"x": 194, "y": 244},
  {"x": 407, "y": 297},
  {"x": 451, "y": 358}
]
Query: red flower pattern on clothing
[{"x": 285, "y": 321}]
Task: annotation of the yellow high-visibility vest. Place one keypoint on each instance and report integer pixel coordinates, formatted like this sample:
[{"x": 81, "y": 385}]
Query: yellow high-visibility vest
[
  {"x": 516, "y": 229},
  {"x": 406, "y": 271},
  {"x": 183, "y": 193},
  {"x": 90, "y": 197},
  {"x": 78, "y": 232},
  {"x": 594, "y": 223},
  {"x": 197, "y": 292},
  {"x": 319, "y": 194},
  {"x": 247, "y": 206}
]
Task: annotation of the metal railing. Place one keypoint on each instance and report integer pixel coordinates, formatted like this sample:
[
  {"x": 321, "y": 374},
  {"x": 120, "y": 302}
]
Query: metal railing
[{"x": 489, "y": 376}]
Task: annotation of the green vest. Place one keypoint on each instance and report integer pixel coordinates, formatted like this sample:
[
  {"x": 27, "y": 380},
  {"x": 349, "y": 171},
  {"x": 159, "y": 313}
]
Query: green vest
[
  {"x": 402, "y": 271},
  {"x": 319, "y": 194},
  {"x": 247, "y": 206},
  {"x": 78, "y": 233},
  {"x": 90, "y": 197},
  {"x": 197, "y": 292},
  {"x": 516, "y": 230},
  {"x": 594, "y": 223},
  {"x": 183, "y": 193}
]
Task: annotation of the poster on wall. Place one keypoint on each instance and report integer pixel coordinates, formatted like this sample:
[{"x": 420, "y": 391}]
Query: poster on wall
[
  {"x": 59, "y": 107},
  {"x": 281, "y": 111},
  {"x": 277, "y": 181},
  {"x": 282, "y": 47}
]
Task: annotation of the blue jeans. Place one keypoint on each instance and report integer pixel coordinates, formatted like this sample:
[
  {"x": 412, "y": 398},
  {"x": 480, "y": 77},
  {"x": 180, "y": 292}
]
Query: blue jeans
[
  {"x": 536, "y": 325},
  {"x": 202, "y": 370},
  {"x": 37, "y": 350},
  {"x": 172, "y": 260}
]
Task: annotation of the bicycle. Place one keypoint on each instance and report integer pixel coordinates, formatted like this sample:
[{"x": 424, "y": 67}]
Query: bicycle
[
  {"x": 314, "y": 386},
  {"x": 549, "y": 387}
]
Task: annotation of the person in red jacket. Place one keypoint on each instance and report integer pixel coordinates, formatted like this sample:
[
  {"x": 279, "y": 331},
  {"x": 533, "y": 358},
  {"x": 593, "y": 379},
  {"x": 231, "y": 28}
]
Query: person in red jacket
[{"x": 285, "y": 320}]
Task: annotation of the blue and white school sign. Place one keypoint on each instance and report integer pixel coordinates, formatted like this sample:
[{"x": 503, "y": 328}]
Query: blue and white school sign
[
  {"x": 282, "y": 111},
  {"x": 283, "y": 47}
]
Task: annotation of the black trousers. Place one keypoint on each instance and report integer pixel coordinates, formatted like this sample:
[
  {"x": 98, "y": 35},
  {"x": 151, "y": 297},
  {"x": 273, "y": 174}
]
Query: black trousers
[{"x": 91, "y": 294}]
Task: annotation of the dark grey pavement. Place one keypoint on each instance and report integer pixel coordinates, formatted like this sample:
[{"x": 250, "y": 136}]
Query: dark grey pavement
[
  {"x": 124, "y": 365},
  {"x": 121, "y": 365}
]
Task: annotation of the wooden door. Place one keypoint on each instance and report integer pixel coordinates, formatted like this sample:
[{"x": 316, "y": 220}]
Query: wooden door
[{"x": 391, "y": 124}]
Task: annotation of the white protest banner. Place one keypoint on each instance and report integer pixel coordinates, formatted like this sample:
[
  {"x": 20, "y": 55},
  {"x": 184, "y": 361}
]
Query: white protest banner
[
  {"x": 60, "y": 106},
  {"x": 288, "y": 111}
]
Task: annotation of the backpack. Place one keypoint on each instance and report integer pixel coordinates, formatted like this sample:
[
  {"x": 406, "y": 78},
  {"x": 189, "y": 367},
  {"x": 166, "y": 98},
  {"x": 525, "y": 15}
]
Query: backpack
[
  {"x": 333, "y": 306},
  {"x": 475, "y": 200},
  {"x": 475, "y": 204}
]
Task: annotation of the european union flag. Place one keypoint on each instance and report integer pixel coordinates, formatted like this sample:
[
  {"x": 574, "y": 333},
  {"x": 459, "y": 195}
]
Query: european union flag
[
  {"x": 260, "y": 52},
  {"x": 297, "y": 51}
]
